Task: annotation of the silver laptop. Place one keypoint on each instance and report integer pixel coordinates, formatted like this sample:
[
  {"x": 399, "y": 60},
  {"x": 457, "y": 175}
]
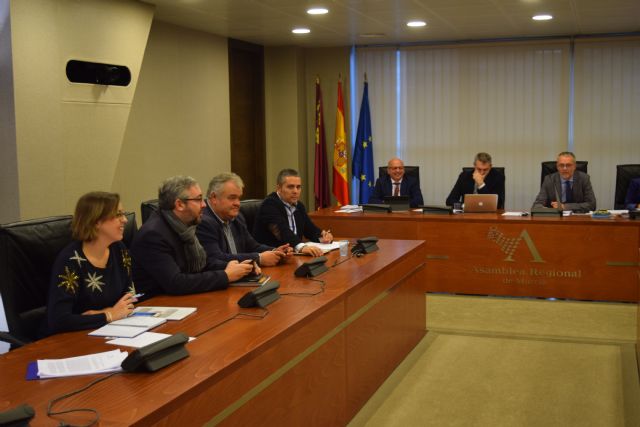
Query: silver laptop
[{"x": 480, "y": 203}]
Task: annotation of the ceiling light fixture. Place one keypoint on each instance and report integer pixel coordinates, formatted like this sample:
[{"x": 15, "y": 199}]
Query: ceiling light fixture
[
  {"x": 542, "y": 17},
  {"x": 416, "y": 24},
  {"x": 317, "y": 11},
  {"x": 301, "y": 31}
]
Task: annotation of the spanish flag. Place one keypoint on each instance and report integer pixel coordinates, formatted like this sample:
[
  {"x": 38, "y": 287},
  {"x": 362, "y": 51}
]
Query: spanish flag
[{"x": 340, "y": 187}]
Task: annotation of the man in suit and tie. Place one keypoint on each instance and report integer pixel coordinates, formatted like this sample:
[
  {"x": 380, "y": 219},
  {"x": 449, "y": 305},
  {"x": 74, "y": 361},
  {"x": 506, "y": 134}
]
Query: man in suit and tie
[
  {"x": 396, "y": 183},
  {"x": 567, "y": 189},
  {"x": 223, "y": 231},
  {"x": 282, "y": 218},
  {"x": 483, "y": 179}
]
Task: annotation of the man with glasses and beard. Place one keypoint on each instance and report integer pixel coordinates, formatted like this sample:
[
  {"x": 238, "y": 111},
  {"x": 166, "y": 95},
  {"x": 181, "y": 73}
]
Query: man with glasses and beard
[
  {"x": 167, "y": 256},
  {"x": 567, "y": 189}
]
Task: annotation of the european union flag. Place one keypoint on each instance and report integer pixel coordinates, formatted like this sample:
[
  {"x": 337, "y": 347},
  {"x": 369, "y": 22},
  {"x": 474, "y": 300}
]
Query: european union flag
[{"x": 362, "y": 167}]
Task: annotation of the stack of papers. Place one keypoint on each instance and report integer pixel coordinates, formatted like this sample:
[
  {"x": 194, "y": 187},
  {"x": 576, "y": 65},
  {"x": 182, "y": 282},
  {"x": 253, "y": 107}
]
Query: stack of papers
[
  {"x": 349, "y": 209},
  {"x": 98, "y": 363},
  {"x": 128, "y": 327}
]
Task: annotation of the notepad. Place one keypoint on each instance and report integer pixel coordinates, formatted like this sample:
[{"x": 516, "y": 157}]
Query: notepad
[
  {"x": 326, "y": 247},
  {"x": 118, "y": 331},
  {"x": 169, "y": 313},
  {"x": 148, "y": 322}
]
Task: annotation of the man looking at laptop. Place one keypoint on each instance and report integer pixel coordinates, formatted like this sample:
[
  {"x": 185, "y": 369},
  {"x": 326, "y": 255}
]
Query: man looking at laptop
[
  {"x": 567, "y": 189},
  {"x": 396, "y": 183},
  {"x": 483, "y": 179}
]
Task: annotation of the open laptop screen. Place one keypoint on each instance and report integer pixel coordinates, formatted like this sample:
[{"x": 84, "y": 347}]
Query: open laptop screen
[{"x": 480, "y": 202}]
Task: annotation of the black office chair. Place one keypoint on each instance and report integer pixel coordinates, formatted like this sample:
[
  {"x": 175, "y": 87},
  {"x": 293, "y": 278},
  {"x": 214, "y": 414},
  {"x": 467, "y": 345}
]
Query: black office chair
[
  {"x": 550, "y": 167},
  {"x": 130, "y": 229},
  {"x": 408, "y": 170},
  {"x": 28, "y": 250},
  {"x": 624, "y": 175},
  {"x": 147, "y": 208},
  {"x": 249, "y": 210}
]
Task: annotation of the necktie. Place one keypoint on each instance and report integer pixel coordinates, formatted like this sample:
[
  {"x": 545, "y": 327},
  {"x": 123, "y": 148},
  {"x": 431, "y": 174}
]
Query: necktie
[
  {"x": 229, "y": 236},
  {"x": 568, "y": 192},
  {"x": 396, "y": 189}
]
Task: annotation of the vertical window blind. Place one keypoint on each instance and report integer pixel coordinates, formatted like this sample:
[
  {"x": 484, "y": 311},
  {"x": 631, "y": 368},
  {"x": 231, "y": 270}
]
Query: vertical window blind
[{"x": 437, "y": 106}]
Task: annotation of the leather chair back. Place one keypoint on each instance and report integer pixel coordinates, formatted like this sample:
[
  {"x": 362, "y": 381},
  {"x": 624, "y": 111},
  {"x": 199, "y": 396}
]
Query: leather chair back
[
  {"x": 147, "y": 208},
  {"x": 130, "y": 229},
  {"x": 28, "y": 250},
  {"x": 624, "y": 175},
  {"x": 550, "y": 167},
  {"x": 249, "y": 210}
]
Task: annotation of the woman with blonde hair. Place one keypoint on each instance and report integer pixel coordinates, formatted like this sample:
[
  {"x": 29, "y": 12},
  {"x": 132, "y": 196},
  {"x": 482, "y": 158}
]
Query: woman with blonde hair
[{"x": 91, "y": 279}]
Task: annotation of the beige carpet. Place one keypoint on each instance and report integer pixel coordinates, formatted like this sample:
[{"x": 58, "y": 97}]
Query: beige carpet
[{"x": 545, "y": 367}]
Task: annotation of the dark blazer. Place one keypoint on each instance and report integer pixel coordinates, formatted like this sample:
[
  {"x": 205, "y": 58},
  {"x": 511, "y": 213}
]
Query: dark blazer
[
  {"x": 584, "y": 199},
  {"x": 409, "y": 187},
  {"x": 159, "y": 263},
  {"x": 633, "y": 194},
  {"x": 493, "y": 184},
  {"x": 213, "y": 240},
  {"x": 272, "y": 225}
]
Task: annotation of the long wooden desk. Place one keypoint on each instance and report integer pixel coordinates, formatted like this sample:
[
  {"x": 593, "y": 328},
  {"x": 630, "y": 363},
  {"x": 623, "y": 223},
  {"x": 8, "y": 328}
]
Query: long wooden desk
[
  {"x": 313, "y": 360},
  {"x": 573, "y": 257}
]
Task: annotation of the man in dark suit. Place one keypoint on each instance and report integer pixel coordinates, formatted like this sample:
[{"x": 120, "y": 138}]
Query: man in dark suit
[
  {"x": 223, "y": 231},
  {"x": 483, "y": 179},
  {"x": 567, "y": 189},
  {"x": 167, "y": 256},
  {"x": 282, "y": 219},
  {"x": 632, "y": 201},
  {"x": 396, "y": 183}
]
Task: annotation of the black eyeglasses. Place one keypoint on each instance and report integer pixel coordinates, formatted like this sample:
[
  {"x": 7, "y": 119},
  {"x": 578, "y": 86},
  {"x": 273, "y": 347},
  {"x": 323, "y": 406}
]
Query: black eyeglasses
[{"x": 194, "y": 199}]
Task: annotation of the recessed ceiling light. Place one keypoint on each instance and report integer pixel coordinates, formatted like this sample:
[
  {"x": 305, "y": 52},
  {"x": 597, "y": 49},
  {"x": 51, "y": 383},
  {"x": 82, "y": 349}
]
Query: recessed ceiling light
[
  {"x": 416, "y": 24},
  {"x": 542, "y": 17},
  {"x": 317, "y": 11},
  {"x": 301, "y": 31}
]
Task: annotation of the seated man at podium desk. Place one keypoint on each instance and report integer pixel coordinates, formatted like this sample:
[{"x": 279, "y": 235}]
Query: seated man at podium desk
[
  {"x": 396, "y": 183},
  {"x": 567, "y": 189},
  {"x": 632, "y": 201},
  {"x": 223, "y": 231},
  {"x": 167, "y": 255},
  {"x": 282, "y": 218},
  {"x": 483, "y": 179}
]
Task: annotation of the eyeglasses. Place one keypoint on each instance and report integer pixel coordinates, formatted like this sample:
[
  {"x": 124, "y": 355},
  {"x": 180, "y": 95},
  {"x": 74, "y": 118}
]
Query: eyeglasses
[
  {"x": 120, "y": 215},
  {"x": 565, "y": 165},
  {"x": 193, "y": 199}
]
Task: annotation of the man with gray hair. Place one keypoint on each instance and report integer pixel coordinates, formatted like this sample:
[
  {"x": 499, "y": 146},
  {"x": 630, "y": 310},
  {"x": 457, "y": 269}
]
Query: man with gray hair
[
  {"x": 482, "y": 179},
  {"x": 223, "y": 231},
  {"x": 567, "y": 189},
  {"x": 167, "y": 255}
]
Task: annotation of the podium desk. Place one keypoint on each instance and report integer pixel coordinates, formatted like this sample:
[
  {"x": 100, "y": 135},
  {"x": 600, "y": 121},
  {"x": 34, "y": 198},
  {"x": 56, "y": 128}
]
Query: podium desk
[
  {"x": 573, "y": 257},
  {"x": 312, "y": 360}
]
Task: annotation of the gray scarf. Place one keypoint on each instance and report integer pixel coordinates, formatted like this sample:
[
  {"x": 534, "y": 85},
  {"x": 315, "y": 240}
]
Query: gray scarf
[{"x": 193, "y": 250}]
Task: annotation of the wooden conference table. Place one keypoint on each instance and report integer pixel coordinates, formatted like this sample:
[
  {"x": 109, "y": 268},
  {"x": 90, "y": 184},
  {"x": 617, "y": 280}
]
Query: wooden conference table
[
  {"x": 574, "y": 257},
  {"x": 313, "y": 360}
]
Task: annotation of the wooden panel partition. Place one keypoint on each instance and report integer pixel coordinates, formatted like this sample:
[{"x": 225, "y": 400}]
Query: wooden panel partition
[{"x": 571, "y": 257}]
